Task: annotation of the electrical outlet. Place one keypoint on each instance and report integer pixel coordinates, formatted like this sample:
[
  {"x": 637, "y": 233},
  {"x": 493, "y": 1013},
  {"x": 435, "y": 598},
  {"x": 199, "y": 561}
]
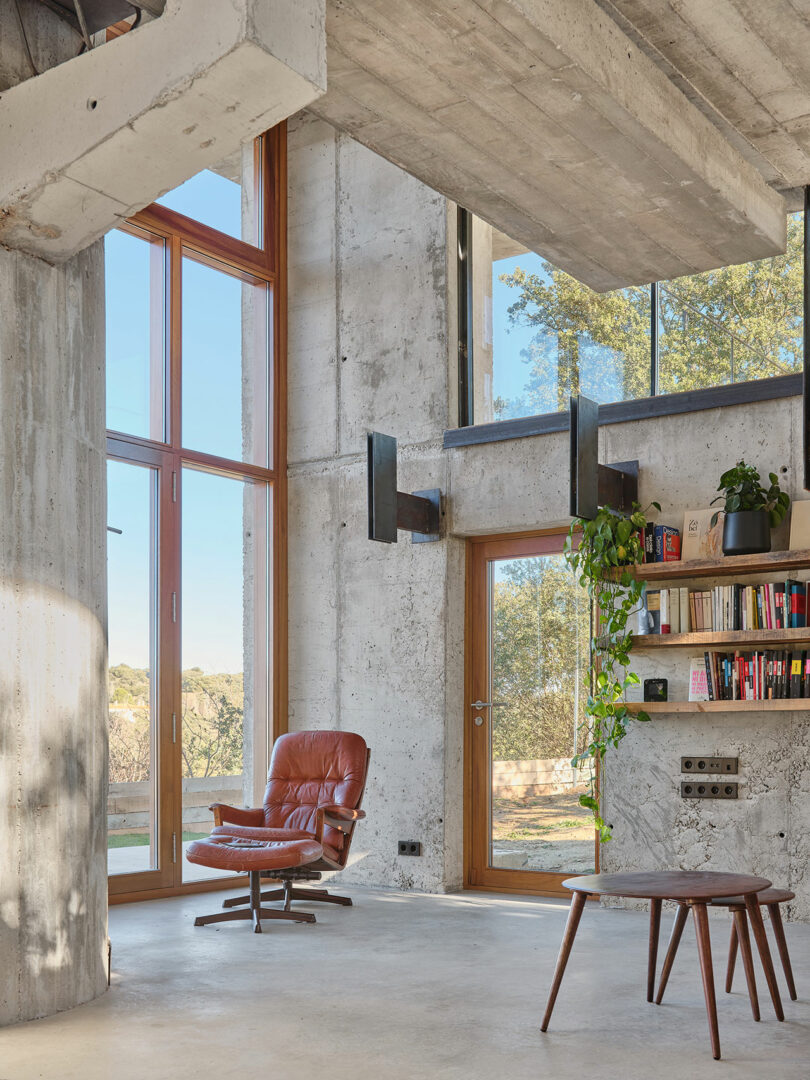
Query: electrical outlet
[
  {"x": 693, "y": 789},
  {"x": 697, "y": 764},
  {"x": 409, "y": 847}
]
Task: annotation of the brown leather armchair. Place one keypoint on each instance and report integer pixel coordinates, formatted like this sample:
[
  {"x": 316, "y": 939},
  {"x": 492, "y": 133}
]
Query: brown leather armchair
[{"x": 304, "y": 826}]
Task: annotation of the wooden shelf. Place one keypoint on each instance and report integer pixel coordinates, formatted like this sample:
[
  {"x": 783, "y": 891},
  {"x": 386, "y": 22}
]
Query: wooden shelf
[
  {"x": 727, "y": 566},
  {"x": 779, "y": 705},
  {"x": 738, "y": 638}
]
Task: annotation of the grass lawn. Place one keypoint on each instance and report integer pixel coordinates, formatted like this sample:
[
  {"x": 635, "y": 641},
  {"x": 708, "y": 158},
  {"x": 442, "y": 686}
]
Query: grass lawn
[{"x": 132, "y": 839}]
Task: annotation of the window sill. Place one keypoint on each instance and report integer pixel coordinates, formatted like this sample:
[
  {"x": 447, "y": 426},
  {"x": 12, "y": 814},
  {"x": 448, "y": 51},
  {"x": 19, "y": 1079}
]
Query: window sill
[{"x": 620, "y": 412}]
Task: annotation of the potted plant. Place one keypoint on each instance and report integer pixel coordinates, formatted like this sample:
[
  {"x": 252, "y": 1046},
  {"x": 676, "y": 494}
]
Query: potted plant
[
  {"x": 602, "y": 553},
  {"x": 751, "y": 510}
]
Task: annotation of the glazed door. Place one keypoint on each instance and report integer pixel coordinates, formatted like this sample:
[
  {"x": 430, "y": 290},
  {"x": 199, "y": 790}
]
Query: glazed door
[{"x": 528, "y": 630}]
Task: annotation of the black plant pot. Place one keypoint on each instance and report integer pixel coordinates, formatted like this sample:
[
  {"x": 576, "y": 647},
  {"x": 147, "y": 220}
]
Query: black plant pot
[{"x": 748, "y": 532}]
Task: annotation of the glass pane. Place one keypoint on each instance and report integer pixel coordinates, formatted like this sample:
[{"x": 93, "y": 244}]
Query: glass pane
[
  {"x": 540, "y": 335},
  {"x": 132, "y": 819},
  {"x": 225, "y": 364},
  {"x": 135, "y": 298},
  {"x": 222, "y": 197},
  {"x": 224, "y": 696},
  {"x": 734, "y": 324},
  {"x": 539, "y": 646}
]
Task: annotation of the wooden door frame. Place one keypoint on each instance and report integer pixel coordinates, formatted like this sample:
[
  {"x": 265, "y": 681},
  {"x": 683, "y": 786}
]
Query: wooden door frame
[{"x": 477, "y": 874}]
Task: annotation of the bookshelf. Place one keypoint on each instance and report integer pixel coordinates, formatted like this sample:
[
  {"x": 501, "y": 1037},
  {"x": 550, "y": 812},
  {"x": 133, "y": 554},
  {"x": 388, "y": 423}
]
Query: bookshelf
[
  {"x": 733, "y": 566},
  {"x": 775, "y": 705},
  {"x": 729, "y": 566}
]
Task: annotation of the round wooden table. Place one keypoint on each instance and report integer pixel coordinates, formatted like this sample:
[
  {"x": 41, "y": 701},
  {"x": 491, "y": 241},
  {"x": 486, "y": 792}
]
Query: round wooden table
[{"x": 694, "y": 888}]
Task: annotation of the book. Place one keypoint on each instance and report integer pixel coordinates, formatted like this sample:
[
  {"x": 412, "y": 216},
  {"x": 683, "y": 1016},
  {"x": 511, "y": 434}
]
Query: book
[
  {"x": 706, "y": 599},
  {"x": 796, "y": 664},
  {"x": 800, "y": 525},
  {"x": 654, "y": 611},
  {"x": 667, "y": 543},
  {"x": 649, "y": 543},
  {"x": 795, "y": 599},
  {"x": 698, "y": 687},
  {"x": 674, "y": 611},
  {"x": 666, "y": 626},
  {"x": 698, "y": 539},
  {"x": 683, "y": 596}
]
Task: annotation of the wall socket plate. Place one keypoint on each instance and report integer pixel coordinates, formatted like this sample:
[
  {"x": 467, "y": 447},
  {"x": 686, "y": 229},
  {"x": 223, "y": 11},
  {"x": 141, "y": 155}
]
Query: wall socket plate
[
  {"x": 697, "y": 763},
  {"x": 708, "y": 789},
  {"x": 409, "y": 847}
]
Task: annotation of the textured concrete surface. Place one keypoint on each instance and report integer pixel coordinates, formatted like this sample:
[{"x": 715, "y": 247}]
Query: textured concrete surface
[
  {"x": 747, "y": 62},
  {"x": 91, "y": 147},
  {"x": 376, "y": 633},
  {"x": 552, "y": 125},
  {"x": 369, "y": 633},
  {"x": 53, "y": 743},
  {"x": 405, "y": 987}
]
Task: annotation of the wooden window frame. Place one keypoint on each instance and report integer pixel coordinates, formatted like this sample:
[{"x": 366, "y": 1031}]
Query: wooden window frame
[
  {"x": 267, "y": 265},
  {"x": 468, "y": 433}
]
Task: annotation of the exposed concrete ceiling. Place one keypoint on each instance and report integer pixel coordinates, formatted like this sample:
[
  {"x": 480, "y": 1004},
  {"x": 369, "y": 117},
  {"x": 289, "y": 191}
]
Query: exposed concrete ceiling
[
  {"x": 748, "y": 61},
  {"x": 625, "y": 140},
  {"x": 92, "y": 140},
  {"x": 544, "y": 118}
]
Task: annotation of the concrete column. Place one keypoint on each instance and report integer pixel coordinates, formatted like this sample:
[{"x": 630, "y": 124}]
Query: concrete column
[{"x": 53, "y": 725}]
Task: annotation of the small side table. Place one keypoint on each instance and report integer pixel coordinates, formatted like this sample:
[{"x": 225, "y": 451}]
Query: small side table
[{"x": 695, "y": 889}]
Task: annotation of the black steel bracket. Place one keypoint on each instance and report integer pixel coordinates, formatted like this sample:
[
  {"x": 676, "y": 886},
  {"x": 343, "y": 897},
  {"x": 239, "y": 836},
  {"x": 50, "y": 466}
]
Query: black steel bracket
[{"x": 389, "y": 510}]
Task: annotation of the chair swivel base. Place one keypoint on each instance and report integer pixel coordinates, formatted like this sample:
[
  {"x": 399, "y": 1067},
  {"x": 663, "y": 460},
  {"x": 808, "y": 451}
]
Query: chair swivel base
[
  {"x": 287, "y": 893},
  {"x": 255, "y": 912}
]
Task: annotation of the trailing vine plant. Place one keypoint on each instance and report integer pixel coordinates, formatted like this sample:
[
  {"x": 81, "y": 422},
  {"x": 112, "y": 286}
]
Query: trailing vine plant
[{"x": 607, "y": 547}]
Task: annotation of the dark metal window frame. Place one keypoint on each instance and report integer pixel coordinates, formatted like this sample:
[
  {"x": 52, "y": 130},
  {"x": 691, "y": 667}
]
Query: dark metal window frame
[{"x": 469, "y": 433}]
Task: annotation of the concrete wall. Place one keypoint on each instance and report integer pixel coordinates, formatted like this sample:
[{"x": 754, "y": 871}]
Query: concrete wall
[
  {"x": 53, "y": 724},
  {"x": 369, "y": 632},
  {"x": 376, "y": 633}
]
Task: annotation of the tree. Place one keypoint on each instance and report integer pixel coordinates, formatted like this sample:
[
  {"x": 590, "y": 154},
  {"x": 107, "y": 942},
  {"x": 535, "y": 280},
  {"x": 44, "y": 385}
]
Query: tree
[
  {"x": 540, "y": 630},
  {"x": 212, "y": 723},
  {"x": 729, "y": 325}
]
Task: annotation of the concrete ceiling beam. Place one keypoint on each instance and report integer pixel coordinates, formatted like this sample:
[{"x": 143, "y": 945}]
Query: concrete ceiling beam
[
  {"x": 89, "y": 142},
  {"x": 544, "y": 118}
]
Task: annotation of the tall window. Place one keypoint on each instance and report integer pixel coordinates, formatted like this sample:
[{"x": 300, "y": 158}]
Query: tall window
[
  {"x": 196, "y": 501},
  {"x": 539, "y": 335}
]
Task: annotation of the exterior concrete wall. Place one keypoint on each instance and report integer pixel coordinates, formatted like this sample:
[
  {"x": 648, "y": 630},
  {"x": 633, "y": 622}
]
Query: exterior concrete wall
[
  {"x": 53, "y": 723},
  {"x": 376, "y": 634}
]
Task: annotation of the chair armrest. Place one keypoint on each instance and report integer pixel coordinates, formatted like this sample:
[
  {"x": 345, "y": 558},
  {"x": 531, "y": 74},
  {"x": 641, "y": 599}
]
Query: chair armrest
[
  {"x": 236, "y": 815},
  {"x": 341, "y": 818}
]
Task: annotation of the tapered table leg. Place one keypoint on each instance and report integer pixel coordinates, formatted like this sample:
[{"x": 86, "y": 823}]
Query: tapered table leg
[
  {"x": 757, "y": 925},
  {"x": 705, "y": 954},
  {"x": 674, "y": 942},
  {"x": 779, "y": 934},
  {"x": 732, "y": 954},
  {"x": 652, "y": 953},
  {"x": 574, "y": 915},
  {"x": 741, "y": 933}
]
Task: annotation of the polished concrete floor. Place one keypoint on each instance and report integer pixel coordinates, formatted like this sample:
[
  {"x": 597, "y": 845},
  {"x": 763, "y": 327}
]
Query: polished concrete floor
[{"x": 403, "y": 987}]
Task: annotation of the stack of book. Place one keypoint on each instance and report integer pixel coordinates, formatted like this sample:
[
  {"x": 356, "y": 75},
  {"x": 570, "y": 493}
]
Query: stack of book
[
  {"x": 750, "y": 676},
  {"x": 779, "y": 606},
  {"x": 662, "y": 543}
]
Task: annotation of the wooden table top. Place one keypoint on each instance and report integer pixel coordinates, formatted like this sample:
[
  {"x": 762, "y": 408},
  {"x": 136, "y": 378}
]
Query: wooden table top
[{"x": 668, "y": 884}]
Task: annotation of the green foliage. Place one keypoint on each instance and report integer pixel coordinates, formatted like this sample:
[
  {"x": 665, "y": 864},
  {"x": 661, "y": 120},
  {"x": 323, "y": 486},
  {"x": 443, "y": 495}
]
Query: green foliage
[
  {"x": 212, "y": 724},
  {"x": 729, "y": 325},
  {"x": 540, "y": 626},
  {"x": 742, "y": 490},
  {"x": 607, "y": 546}
]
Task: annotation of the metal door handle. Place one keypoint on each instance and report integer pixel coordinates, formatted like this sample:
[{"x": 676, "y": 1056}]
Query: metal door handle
[{"x": 486, "y": 704}]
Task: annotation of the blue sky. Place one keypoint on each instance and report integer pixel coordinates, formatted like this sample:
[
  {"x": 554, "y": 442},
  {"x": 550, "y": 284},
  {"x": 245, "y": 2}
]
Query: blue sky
[{"x": 212, "y": 421}]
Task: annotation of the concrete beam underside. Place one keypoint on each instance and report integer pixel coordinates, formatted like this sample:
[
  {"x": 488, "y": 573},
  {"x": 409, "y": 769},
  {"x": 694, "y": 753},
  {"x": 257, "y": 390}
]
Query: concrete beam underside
[
  {"x": 548, "y": 122},
  {"x": 106, "y": 133}
]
